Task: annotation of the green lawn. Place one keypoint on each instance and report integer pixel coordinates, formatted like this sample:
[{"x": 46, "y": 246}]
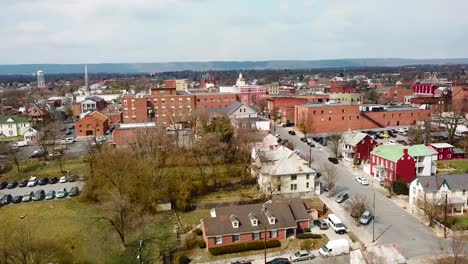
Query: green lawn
[
  {"x": 49, "y": 168},
  {"x": 11, "y": 139},
  {"x": 452, "y": 166},
  {"x": 192, "y": 217},
  {"x": 72, "y": 224},
  {"x": 239, "y": 194}
]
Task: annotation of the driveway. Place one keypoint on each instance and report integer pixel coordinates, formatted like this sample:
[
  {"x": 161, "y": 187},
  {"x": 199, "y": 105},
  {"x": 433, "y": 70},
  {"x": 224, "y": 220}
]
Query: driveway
[{"x": 392, "y": 224}]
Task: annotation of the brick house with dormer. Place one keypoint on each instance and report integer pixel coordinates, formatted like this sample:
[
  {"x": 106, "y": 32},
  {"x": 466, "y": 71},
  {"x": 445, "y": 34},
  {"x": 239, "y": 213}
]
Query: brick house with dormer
[{"x": 277, "y": 220}]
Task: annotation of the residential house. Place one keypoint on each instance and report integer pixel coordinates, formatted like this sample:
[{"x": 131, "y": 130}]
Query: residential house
[
  {"x": 356, "y": 146},
  {"x": 31, "y": 135},
  {"x": 13, "y": 126},
  {"x": 92, "y": 103},
  {"x": 92, "y": 124},
  {"x": 37, "y": 114},
  {"x": 8, "y": 110},
  {"x": 445, "y": 151},
  {"x": 280, "y": 171},
  {"x": 435, "y": 189},
  {"x": 276, "y": 220},
  {"x": 392, "y": 162},
  {"x": 242, "y": 116}
]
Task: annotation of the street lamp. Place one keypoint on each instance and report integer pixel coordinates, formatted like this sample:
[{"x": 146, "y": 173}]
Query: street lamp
[{"x": 29, "y": 235}]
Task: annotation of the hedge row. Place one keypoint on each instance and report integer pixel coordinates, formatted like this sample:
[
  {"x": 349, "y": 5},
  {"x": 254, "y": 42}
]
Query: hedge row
[
  {"x": 256, "y": 245},
  {"x": 308, "y": 235}
]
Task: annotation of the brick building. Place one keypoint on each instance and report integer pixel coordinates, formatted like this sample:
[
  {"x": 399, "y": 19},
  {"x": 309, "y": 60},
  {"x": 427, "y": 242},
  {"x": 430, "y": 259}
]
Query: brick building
[
  {"x": 444, "y": 150},
  {"x": 113, "y": 113},
  {"x": 424, "y": 89},
  {"x": 395, "y": 95},
  {"x": 127, "y": 134},
  {"x": 251, "y": 94},
  {"x": 356, "y": 146},
  {"x": 326, "y": 118},
  {"x": 214, "y": 100},
  {"x": 342, "y": 89},
  {"x": 285, "y": 104},
  {"x": 93, "y": 124},
  {"x": 460, "y": 99},
  {"x": 277, "y": 220}
]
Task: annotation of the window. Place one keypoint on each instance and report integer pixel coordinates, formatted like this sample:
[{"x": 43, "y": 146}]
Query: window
[
  {"x": 256, "y": 236},
  {"x": 414, "y": 190},
  {"x": 448, "y": 156},
  {"x": 464, "y": 191},
  {"x": 307, "y": 176},
  {"x": 218, "y": 240},
  {"x": 235, "y": 238},
  {"x": 125, "y": 102},
  {"x": 273, "y": 233},
  {"x": 293, "y": 177},
  {"x": 293, "y": 187},
  {"x": 307, "y": 185}
]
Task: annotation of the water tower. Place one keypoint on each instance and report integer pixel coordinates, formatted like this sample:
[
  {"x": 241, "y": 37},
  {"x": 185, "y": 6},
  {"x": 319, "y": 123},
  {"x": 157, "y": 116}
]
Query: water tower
[{"x": 40, "y": 79}]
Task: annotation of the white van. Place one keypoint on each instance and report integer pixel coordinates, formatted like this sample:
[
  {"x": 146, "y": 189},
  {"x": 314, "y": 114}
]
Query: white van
[
  {"x": 335, "y": 223},
  {"x": 335, "y": 248}
]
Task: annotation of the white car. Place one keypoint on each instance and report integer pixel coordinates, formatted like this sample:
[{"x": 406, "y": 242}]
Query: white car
[
  {"x": 32, "y": 182},
  {"x": 277, "y": 135},
  {"x": 63, "y": 179},
  {"x": 362, "y": 180},
  {"x": 391, "y": 142},
  {"x": 69, "y": 140}
]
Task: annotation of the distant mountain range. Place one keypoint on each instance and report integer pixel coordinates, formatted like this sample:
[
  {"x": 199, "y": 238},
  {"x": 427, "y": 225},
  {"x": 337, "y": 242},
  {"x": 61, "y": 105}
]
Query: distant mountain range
[{"x": 220, "y": 65}]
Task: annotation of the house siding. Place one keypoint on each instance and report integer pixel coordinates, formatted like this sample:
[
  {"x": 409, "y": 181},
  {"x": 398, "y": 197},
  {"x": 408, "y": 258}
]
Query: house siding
[{"x": 243, "y": 238}]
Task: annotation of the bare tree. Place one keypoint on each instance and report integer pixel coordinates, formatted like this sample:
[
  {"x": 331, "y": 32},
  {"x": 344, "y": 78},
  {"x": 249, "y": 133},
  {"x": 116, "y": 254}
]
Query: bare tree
[
  {"x": 357, "y": 205},
  {"x": 304, "y": 124},
  {"x": 459, "y": 244},
  {"x": 275, "y": 184},
  {"x": 433, "y": 208},
  {"x": 451, "y": 122},
  {"x": 330, "y": 177},
  {"x": 48, "y": 136},
  {"x": 12, "y": 155},
  {"x": 244, "y": 141},
  {"x": 335, "y": 140}
]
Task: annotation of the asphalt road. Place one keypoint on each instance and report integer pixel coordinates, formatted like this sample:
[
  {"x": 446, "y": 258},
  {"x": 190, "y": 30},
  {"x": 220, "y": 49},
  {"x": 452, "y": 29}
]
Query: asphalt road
[{"x": 392, "y": 224}]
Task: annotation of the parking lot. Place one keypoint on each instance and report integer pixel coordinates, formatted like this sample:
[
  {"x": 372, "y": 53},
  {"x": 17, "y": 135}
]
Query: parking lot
[{"x": 48, "y": 187}]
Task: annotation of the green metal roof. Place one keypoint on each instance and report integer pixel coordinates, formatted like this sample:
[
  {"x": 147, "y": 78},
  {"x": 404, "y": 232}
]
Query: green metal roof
[
  {"x": 16, "y": 119},
  {"x": 394, "y": 152}
]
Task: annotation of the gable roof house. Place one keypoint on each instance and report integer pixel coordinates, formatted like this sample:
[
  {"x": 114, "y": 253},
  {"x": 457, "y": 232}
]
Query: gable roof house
[
  {"x": 13, "y": 126},
  {"x": 242, "y": 116},
  {"x": 433, "y": 189},
  {"x": 92, "y": 124},
  {"x": 392, "y": 162},
  {"x": 280, "y": 170},
  {"x": 275, "y": 220},
  {"x": 356, "y": 146}
]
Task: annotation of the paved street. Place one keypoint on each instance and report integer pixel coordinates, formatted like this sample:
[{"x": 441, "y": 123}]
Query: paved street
[{"x": 392, "y": 224}]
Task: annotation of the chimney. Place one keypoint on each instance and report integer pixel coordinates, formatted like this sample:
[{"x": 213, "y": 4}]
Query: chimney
[{"x": 405, "y": 151}]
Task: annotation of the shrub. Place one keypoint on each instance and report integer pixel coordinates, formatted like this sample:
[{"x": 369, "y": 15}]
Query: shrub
[
  {"x": 400, "y": 187},
  {"x": 198, "y": 231},
  {"x": 184, "y": 260},
  {"x": 308, "y": 235},
  {"x": 256, "y": 245},
  {"x": 201, "y": 243},
  {"x": 306, "y": 230}
]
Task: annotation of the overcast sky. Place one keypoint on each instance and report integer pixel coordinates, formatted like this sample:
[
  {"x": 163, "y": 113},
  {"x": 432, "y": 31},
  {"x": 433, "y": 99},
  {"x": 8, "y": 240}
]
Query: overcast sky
[{"x": 93, "y": 31}]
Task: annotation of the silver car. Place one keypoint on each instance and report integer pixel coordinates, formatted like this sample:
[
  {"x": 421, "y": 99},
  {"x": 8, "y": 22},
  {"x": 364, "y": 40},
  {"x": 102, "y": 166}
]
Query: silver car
[
  {"x": 341, "y": 197},
  {"x": 366, "y": 217},
  {"x": 301, "y": 255}
]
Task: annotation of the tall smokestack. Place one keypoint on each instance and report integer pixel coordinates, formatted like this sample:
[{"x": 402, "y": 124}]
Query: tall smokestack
[{"x": 86, "y": 77}]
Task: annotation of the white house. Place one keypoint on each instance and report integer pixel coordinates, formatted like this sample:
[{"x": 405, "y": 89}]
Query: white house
[
  {"x": 13, "y": 126},
  {"x": 31, "y": 135},
  {"x": 279, "y": 170},
  {"x": 433, "y": 189}
]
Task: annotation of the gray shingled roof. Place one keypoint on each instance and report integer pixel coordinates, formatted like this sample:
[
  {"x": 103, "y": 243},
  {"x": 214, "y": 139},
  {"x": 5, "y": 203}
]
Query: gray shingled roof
[
  {"x": 454, "y": 182},
  {"x": 286, "y": 212},
  {"x": 353, "y": 138}
]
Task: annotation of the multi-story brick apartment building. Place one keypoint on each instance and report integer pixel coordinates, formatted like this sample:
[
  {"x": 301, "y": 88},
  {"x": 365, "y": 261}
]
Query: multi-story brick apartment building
[
  {"x": 92, "y": 124},
  {"x": 395, "y": 94},
  {"x": 326, "y": 118},
  {"x": 277, "y": 220},
  {"x": 214, "y": 100},
  {"x": 285, "y": 104}
]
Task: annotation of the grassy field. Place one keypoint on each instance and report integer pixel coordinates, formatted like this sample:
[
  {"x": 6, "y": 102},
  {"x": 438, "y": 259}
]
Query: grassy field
[
  {"x": 72, "y": 224},
  {"x": 220, "y": 196},
  {"x": 192, "y": 217},
  {"x": 38, "y": 168},
  {"x": 452, "y": 166}
]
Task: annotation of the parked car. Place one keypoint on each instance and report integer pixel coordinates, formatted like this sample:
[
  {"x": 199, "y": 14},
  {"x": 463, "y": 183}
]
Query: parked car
[
  {"x": 366, "y": 217},
  {"x": 69, "y": 140},
  {"x": 288, "y": 124},
  {"x": 43, "y": 181},
  {"x": 53, "y": 180},
  {"x": 68, "y": 132},
  {"x": 72, "y": 178},
  {"x": 63, "y": 179},
  {"x": 333, "y": 160},
  {"x": 241, "y": 262},
  {"x": 304, "y": 139},
  {"x": 391, "y": 142},
  {"x": 17, "y": 199},
  {"x": 37, "y": 153},
  {"x": 32, "y": 182},
  {"x": 292, "y": 132},
  {"x": 39, "y": 195},
  {"x": 335, "y": 248},
  {"x": 74, "y": 191},
  {"x": 279, "y": 261},
  {"x": 12, "y": 185},
  {"x": 321, "y": 223},
  {"x": 62, "y": 193},
  {"x": 312, "y": 145},
  {"x": 301, "y": 255},
  {"x": 362, "y": 180},
  {"x": 6, "y": 199},
  {"x": 277, "y": 136},
  {"x": 50, "y": 195},
  {"x": 23, "y": 183},
  {"x": 3, "y": 185},
  {"x": 28, "y": 197},
  {"x": 341, "y": 197}
]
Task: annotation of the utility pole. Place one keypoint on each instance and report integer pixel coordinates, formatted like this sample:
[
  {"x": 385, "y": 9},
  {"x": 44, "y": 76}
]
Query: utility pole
[
  {"x": 265, "y": 244},
  {"x": 310, "y": 156},
  {"x": 29, "y": 236},
  {"x": 373, "y": 221},
  {"x": 140, "y": 249},
  {"x": 445, "y": 216}
]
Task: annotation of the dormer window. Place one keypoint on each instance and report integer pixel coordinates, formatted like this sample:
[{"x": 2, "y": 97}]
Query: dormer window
[
  {"x": 234, "y": 221},
  {"x": 253, "y": 219},
  {"x": 271, "y": 218}
]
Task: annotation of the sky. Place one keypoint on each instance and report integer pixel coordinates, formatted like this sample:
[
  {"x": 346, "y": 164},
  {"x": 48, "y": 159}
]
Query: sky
[{"x": 99, "y": 31}]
